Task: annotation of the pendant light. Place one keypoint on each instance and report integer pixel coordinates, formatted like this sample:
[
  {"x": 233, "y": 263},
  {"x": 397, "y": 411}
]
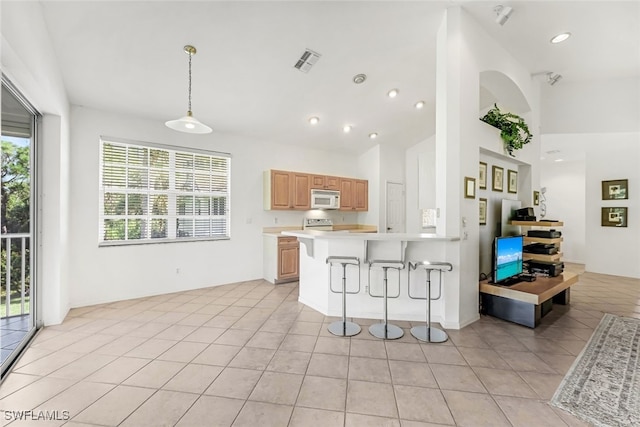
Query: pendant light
[{"x": 188, "y": 123}]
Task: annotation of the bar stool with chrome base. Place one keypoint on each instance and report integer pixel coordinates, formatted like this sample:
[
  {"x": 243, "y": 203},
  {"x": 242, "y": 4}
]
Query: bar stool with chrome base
[
  {"x": 342, "y": 328},
  {"x": 385, "y": 330},
  {"x": 429, "y": 333}
]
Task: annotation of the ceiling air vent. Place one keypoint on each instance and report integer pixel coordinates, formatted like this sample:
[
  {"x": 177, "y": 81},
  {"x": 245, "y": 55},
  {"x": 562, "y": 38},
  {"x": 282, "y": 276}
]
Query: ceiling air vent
[{"x": 307, "y": 60}]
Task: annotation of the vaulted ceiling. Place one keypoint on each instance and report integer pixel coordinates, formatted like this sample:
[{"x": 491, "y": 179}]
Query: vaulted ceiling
[{"x": 127, "y": 56}]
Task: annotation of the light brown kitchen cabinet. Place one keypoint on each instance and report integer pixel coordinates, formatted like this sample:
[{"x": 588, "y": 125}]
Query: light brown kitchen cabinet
[
  {"x": 361, "y": 195},
  {"x": 288, "y": 259},
  {"x": 325, "y": 182},
  {"x": 346, "y": 194},
  {"x": 354, "y": 194},
  {"x": 287, "y": 190},
  {"x": 300, "y": 191}
]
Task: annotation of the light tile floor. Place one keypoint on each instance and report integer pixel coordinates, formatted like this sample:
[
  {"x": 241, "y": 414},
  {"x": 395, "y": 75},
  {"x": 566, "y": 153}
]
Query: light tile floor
[{"x": 249, "y": 354}]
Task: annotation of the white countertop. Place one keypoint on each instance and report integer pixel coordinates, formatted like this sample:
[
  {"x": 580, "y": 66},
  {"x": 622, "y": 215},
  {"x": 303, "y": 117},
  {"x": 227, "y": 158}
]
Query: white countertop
[{"x": 342, "y": 235}]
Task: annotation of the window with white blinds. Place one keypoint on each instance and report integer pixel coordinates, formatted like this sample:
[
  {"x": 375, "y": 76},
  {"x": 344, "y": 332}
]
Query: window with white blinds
[{"x": 153, "y": 193}]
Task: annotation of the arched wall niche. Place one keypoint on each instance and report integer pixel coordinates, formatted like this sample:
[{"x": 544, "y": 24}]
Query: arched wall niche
[{"x": 497, "y": 87}]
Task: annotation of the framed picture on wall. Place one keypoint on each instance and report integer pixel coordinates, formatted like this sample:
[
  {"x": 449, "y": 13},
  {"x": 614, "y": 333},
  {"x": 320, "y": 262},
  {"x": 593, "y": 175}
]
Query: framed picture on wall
[
  {"x": 469, "y": 188},
  {"x": 482, "y": 176},
  {"x": 614, "y": 217},
  {"x": 536, "y": 198},
  {"x": 483, "y": 211},
  {"x": 497, "y": 178},
  {"x": 512, "y": 179},
  {"x": 615, "y": 190}
]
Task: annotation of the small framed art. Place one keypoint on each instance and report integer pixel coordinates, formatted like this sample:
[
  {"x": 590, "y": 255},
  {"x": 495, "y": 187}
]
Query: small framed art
[
  {"x": 482, "y": 176},
  {"x": 483, "y": 211},
  {"x": 512, "y": 180},
  {"x": 469, "y": 188},
  {"x": 614, "y": 217},
  {"x": 497, "y": 178},
  {"x": 615, "y": 190}
]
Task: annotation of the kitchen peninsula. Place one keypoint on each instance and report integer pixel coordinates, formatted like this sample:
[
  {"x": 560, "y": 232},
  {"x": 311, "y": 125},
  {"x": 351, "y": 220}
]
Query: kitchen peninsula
[{"x": 315, "y": 273}]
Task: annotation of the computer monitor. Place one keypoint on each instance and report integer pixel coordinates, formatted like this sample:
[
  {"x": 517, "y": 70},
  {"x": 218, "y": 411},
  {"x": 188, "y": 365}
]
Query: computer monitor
[{"x": 507, "y": 258}]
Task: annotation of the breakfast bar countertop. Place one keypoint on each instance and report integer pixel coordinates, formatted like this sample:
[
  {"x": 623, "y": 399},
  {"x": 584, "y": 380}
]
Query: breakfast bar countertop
[{"x": 343, "y": 235}]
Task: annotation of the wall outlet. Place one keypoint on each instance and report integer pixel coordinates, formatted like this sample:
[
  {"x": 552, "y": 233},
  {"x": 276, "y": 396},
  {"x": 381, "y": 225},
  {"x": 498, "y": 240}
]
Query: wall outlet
[
  {"x": 275, "y": 220},
  {"x": 177, "y": 270}
]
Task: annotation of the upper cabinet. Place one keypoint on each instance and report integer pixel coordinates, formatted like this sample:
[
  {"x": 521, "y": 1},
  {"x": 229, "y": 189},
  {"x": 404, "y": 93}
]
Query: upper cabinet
[
  {"x": 354, "y": 194},
  {"x": 323, "y": 182},
  {"x": 285, "y": 190}
]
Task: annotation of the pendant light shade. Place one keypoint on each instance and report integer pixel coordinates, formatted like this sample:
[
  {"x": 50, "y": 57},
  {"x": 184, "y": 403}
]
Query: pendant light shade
[{"x": 188, "y": 123}]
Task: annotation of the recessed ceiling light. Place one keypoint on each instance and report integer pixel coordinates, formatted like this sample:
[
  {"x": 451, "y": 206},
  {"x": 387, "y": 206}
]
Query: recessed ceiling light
[
  {"x": 560, "y": 38},
  {"x": 346, "y": 128},
  {"x": 314, "y": 120},
  {"x": 559, "y": 160},
  {"x": 393, "y": 93},
  {"x": 373, "y": 135},
  {"x": 419, "y": 105}
]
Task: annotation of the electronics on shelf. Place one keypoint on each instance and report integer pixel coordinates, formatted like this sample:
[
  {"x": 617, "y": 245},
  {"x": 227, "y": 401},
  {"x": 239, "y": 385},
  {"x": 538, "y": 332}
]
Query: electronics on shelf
[
  {"x": 541, "y": 248},
  {"x": 548, "y": 268},
  {"x": 525, "y": 214},
  {"x": 546, "y": 234}
]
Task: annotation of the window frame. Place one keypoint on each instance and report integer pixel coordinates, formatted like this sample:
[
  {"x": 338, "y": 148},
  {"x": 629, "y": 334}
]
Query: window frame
[{"x": 171, "y": 193}]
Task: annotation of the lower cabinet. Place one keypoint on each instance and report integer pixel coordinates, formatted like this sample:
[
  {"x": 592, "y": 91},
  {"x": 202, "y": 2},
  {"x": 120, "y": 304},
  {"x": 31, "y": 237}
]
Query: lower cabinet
[
  {"x": 281, "y": 258},
  {"x": 288, "y": 259}
]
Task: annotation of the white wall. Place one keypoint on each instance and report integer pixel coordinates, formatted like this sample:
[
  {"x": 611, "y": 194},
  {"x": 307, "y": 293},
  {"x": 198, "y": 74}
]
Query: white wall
[
  {"x": 494, "y": 198},
  {"x": 608, "y": 156},
  {"x": 565, "y": 196},
  {"x": 115, "y": 273},
  {"x": 420, "y": 189},
  {"x": 29, "y": 62},
  {"x": 610, "y": 106}
]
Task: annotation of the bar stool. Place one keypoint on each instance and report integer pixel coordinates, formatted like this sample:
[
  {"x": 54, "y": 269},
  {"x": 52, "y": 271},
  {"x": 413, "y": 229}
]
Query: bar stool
[
  {"x": 429, "y": 333},
  {"x": 342, "y": 328},
  {"x": 385, "y": 330}
]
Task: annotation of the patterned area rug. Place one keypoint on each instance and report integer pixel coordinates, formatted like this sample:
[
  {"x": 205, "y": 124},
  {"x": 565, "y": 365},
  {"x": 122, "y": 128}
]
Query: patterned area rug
[{"x": 603, "y": 385}]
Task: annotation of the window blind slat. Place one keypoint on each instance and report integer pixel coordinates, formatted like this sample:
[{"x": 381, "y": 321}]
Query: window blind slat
[{"x": 143, "y": 187}]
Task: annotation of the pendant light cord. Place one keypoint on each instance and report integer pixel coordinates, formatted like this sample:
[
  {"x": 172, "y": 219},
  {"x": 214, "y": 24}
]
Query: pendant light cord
[{"x": 190, "y": 56}]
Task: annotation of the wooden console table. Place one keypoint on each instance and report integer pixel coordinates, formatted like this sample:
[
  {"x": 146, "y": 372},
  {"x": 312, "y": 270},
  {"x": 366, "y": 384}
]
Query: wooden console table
[{"x": 526, "y": 303}]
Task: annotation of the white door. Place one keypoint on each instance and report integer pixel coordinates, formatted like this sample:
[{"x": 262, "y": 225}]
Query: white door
[{"x": 395, "y": 207}]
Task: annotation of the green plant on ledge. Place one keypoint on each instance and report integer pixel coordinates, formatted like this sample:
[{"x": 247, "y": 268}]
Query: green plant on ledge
[{"x": 513, "y": 129}]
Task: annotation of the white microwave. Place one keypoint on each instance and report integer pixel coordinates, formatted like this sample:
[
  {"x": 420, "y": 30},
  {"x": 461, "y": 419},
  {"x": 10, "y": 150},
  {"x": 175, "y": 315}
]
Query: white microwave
[{"x": 325, "y": 199}]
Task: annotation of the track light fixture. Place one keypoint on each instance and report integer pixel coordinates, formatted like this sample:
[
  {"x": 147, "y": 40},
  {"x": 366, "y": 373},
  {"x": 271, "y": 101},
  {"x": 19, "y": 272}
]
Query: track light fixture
[
  {"x": 549, "y": 76},
  {"x": 502, "y": 13},
  {"x": 553, "y": 78}
]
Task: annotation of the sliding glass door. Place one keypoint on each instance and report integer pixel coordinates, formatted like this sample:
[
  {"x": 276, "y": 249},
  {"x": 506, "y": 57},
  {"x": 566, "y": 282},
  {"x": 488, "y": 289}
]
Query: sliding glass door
[{"x": 17, "y": 229}]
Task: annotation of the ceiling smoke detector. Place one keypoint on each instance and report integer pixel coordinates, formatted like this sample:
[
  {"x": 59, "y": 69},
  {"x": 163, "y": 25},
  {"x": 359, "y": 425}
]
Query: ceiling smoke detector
[
  {"x": 359, "y": 78},
  {"x": 307, "y": 60}
]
